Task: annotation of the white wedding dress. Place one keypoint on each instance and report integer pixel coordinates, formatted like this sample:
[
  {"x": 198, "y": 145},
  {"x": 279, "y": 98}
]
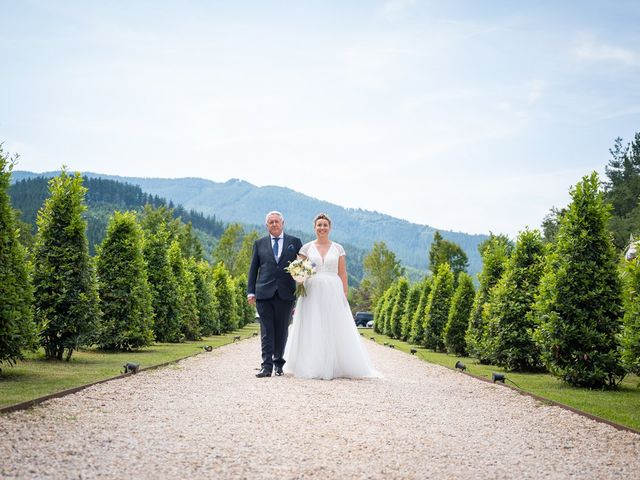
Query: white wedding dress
[{"x": 323, "y": 339}]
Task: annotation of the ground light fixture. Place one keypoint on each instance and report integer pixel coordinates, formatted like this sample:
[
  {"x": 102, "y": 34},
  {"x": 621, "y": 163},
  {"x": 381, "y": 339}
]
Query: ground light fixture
[
  {"x": 413, "y": 351},
  {"x": 461, "y": 366},
  {"x": 207, "y": 348}
]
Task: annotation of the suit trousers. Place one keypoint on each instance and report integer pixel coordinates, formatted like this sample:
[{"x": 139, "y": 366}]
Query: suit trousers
[{"x": 274, "y": 329}]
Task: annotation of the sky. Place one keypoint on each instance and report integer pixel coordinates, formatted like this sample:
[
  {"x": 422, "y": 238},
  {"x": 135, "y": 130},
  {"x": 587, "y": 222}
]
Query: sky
[{"x": 462, "y": 115}]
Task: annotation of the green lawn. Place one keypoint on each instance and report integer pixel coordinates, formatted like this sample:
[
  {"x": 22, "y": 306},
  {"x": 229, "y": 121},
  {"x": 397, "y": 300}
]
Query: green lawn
[
  {"x": 620, "y": 406},
  {"x": 36, "y": 377}
]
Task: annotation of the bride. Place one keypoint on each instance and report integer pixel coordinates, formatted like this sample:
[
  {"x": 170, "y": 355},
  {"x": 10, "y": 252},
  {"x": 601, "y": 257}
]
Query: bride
[{"x": 324, "y": 341}]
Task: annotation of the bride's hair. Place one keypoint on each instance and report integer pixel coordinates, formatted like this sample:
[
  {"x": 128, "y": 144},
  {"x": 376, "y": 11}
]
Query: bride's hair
[{"x": 322, "y": 216}]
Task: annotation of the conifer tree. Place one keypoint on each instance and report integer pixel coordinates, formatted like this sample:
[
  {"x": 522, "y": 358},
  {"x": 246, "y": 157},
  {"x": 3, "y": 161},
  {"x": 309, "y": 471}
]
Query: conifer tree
[
  {"x": 17, "y": 329},
  {"x": 189, "y": 324},
  {"x": 508, "y": 316},
  {"x": 494, "y": 251},
  {"x": 458, "y": 318},
  {"x": 579, "y": 303},
  {"x": 437, "y": 310},
  {"x": 390, "y": 305},
  {"x": 66, "y": 294},
  {"x": 378, "y": 312},
  {"x": 413, "y": 299},
  {"x": 418, "y": 319},
  {"x": 631, "y": 331},
  {"x": 225, "y": 297},
  {"x": 246, "y": 313},
  {"x": 125, "y": 296},
  {"x": 395, "y": 320},
  {"x": 205, "y": 297},
  {"x": 164, "y": 286}
]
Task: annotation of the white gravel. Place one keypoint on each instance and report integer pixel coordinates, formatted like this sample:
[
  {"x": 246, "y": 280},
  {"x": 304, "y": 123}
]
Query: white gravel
[{"x": 209, "y": 416}]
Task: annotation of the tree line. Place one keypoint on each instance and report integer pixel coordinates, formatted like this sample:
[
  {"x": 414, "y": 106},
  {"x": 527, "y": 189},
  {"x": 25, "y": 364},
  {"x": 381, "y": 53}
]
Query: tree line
[
  {"x": 564, "y": 300},
  {"x": 147, "y": 282}
]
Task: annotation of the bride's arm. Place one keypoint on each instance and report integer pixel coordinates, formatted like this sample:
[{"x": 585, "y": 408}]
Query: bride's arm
[{"x": 342, "y": 273}]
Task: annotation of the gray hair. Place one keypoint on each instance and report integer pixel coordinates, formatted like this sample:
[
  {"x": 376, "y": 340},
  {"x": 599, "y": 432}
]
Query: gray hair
[{"x": 273, "y": 212}]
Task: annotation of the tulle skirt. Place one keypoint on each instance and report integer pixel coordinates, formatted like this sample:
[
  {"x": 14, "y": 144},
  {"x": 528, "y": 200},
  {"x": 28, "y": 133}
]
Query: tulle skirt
[{"x": 323, "y": 339}]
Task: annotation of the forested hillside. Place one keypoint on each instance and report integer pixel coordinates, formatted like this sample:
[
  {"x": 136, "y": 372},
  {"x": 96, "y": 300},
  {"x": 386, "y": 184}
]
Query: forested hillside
[{"x": 240, "y": 201}]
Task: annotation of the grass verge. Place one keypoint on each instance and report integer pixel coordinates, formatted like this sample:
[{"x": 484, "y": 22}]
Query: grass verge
[
  {"x": 36, "y": 377},
  {"x": 621, "y": 406}
]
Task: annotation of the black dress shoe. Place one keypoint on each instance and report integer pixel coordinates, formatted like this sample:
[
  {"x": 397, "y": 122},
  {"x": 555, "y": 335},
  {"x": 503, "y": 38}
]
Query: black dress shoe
[
  {"x": 279, "y": 371},
  {"x": 263, "y": 373}
]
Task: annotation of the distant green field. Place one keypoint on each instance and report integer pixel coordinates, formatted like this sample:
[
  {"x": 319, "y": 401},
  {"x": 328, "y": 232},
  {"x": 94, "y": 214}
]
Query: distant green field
[
  {"x": 36, "y": 377},
  {"x": 621, "y": 406}
]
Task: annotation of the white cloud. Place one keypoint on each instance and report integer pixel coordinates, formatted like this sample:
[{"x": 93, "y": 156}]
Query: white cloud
[{"x": 606, "y": 53}]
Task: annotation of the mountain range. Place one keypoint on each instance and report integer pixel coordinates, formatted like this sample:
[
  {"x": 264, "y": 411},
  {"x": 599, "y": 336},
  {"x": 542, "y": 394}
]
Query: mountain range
[{"x": 240, "y": 201}]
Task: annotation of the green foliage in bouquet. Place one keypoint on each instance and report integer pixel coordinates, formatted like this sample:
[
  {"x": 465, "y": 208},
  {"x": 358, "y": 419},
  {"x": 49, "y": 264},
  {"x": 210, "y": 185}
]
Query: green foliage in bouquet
[
  {"x": 508, "y": 317},
  {"x": 125, "y": 296},
  {"x": 579, "y": 308}
]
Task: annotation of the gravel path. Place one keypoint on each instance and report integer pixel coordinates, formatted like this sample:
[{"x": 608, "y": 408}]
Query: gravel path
[{"x": 209, "y": 416}]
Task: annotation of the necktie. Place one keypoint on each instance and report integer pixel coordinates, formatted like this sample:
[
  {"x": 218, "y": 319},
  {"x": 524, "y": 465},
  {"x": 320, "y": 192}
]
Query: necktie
[{"x": 275, "y": 247}]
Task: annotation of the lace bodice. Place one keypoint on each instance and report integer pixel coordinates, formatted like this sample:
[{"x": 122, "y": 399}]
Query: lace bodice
[{"x": 328, "y": 264}]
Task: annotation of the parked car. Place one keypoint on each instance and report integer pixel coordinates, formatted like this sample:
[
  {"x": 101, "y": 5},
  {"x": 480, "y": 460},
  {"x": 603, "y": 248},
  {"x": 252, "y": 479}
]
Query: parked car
[
  {"x": 370, "y": 324},
  {"x": 363, "y": 318}
]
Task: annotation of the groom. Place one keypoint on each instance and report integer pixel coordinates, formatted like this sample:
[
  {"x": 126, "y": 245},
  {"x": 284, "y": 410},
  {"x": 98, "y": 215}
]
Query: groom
[{"x": 271, "y": 289}]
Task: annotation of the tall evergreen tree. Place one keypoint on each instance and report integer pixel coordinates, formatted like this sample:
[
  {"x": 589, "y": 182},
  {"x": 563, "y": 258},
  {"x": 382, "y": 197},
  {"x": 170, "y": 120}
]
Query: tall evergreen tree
[
  {"x": 189, "y": 324},
  {"x": 225, "y": 298},
  {"x": 66, "y": 294},
  {"x": 125, "y": 296},
  {"x": 631, "y": 331},
  {"x": 228, "y": 248},
  {"x": 164, "y": 286},
  {"x": 388, "y": 310},
  {"x": 508, "y": 315},
  {"x": 205, "y": 297},
  {"x": 579, "y": 303},
  {"x": 413, "y": 299},
  {"x": 395, "y": 320},
  {"x": 381, "y": 269},
  {"x": 444, "y": 251},
  {"x": 378, "y": 311},
  {"x": 418, "y": 319},
  {"x": 246, "y": 313},
  {"x": 458, "y": 318},
  {"x": 437, "y": 310},
  {"x": 17, "y": 328},
  {"x": 495, "y": 251}
]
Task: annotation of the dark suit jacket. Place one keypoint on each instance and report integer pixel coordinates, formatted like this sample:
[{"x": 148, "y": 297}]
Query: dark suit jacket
[{"x": 266, "y": 276}]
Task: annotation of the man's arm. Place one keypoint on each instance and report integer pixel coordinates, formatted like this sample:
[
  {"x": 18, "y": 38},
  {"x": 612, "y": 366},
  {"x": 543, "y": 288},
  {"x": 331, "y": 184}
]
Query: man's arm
[{"x": 253, "y": 275}]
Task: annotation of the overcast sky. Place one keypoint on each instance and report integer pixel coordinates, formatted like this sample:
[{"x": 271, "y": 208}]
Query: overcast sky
[{"x": 463, "y": 115}]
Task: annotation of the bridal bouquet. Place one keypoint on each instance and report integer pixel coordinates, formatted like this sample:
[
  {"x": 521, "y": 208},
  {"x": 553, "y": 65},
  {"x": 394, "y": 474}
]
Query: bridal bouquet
[{"x": 301, "y": 270}]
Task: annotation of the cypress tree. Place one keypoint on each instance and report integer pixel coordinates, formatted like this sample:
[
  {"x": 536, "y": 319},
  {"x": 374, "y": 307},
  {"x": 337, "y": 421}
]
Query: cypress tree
[
  {"x": 395, "y": 320},
  {"x": 413, "y": 299},
  {"x": 189, "y": 324},
  {"x": 17, "y": 328},
  {"x": 437, "y": 310},
  {"x": 389, "y": 306},
  {"x": 378, "y": 312},
  {"x": 66, "y": 294},
  {"x": 494, "y": 251},
  {"x": 164, "y": 286},
  {"x": 246, "y": 313},
  {"x": 631, "y": 331},
  {"x": 125, "y": 297},
  {"x": 205, "y": 297},
  {"x": 508, "y": 316},
  {"x": 225, "y": 298},
  {"x": 579, "y": 304},
  {"x": 458, "y": 318},
  {"x": 417, "y": 319}
]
